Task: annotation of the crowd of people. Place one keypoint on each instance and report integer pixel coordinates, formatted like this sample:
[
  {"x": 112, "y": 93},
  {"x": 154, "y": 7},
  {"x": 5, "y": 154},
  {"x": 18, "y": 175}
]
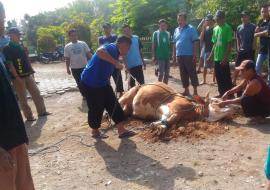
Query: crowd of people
[{"x": 92, "y": 72}]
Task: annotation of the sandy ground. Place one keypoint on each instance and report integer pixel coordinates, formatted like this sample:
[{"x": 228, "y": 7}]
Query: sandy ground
[{"x": 232, "y": 160}]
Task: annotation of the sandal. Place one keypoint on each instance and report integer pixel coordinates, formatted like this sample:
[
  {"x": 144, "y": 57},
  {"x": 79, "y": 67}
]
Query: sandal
[
  {"x": 31, "y": 119},
  {"x": 100, "y": 136},
  {"x": 127, "y": 134},
  {"x": 44, "y": 114}
]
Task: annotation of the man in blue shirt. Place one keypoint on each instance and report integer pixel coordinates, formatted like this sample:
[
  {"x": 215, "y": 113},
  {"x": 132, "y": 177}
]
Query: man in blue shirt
[
  {"x": 185, "y": 49},
  {"x": 107, "y": 39},
  {"x": 134, "y": 58},
  {"x": 95, "y": 85}
]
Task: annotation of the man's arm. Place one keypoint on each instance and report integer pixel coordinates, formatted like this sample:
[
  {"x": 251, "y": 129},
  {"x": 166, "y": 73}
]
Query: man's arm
[
  {"x": 88, "y": 55},
  {"x": 234, "y": 90},
  {"x": 174, "y": 53},
  {"x": 104, "y": 55},
  {"x": 67, "y": 59},
  {"x": 141, "y": 53},
  {"x": 6, "y": 161},
  {"x": 153, "y": 48},
  {"x": 227, "y": 53}
]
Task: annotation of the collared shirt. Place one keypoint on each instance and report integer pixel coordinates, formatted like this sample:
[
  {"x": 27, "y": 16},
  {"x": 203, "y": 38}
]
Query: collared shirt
[
  {"x": 184, "y": 38},
  {"x": 97, "y": 72},
  {"x": 15, "y": 54},
  {"x": 245, "y": 35}
]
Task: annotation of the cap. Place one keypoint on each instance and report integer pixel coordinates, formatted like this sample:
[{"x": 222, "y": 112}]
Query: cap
[
  {"x": 209, "y": 17},
  {"x": 247, "y": 64},
  {"x": 14, "y": 30},
  {"x": 244, "y": 13},
  {"x": 220, "y": 14},
  {"x": 106, "y": 25}
]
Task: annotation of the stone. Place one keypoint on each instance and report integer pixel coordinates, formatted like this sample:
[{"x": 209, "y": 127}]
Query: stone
[{"x": 200, "y": 174}]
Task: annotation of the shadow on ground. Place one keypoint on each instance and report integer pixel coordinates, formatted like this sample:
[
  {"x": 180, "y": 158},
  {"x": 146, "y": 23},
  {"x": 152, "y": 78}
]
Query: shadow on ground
[{"x": 127, "y": 164}]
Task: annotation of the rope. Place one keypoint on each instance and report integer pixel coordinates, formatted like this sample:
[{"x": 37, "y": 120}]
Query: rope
[{"x": 56, "y": 146}]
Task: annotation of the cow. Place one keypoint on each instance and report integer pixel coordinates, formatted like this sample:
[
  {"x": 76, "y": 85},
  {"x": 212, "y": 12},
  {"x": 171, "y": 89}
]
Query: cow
[{"x": 160, "y": 103}]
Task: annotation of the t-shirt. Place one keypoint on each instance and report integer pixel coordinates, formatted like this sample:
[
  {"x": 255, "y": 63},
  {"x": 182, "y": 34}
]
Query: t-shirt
[
  {"x": 15, "y": 54},
  {"x": 264, "y": 40},
  {"x": 161, "y": 39},
  {"x": 133, "y": 57},
  {"x": 102, "y": 40},
  {"x": 184, "y": 38},
  {"x": 222, "y": 36},
  {"x": 12, "y": 131},
  {"x": 97, "y": 72},
  {"x": 208, "y": 44},
  {"x": 76, "y": 52},
  {"x": 245, "y": 35}
]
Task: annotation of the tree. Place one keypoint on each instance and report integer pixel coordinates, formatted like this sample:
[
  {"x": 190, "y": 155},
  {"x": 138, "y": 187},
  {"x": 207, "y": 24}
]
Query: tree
[{"x": 46, "y": 43}]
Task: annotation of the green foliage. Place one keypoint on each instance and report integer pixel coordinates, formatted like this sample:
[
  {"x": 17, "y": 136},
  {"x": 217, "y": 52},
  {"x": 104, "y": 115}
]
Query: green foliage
[
  {"x": 56, "y": 31},
  {"x": 83, "y": 30},
  {"x": 232, "y": 8},
  {"x": 46, "y": 43}
]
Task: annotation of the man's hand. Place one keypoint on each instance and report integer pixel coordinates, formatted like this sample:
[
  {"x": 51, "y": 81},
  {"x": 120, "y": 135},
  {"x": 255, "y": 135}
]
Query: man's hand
[
  {"x": 68, "y": 71},
  {"x": 222, "y": 104},
  {"x": 194, "y": 60},
  {"x": 6, "y": 161},
  {"x": 119, "y": 66},
  {"x": 225, "y": 96}
]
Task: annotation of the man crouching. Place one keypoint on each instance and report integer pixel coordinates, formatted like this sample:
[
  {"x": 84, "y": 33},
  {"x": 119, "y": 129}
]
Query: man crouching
[
  {"x": 255, "y": 99},
  {"x": 95, "y": 85}
]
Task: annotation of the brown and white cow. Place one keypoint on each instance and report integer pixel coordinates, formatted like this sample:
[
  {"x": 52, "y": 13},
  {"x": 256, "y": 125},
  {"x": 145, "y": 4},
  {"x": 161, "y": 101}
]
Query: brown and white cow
[{"x": 160, "y": 103}]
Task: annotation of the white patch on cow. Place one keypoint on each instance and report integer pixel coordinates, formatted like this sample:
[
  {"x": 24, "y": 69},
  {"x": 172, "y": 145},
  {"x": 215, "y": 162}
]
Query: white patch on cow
[{"x": 165, "y": 111}]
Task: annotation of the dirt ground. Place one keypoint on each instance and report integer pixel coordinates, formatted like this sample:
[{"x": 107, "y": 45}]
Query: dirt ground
[{"x": 232, "y": 159}]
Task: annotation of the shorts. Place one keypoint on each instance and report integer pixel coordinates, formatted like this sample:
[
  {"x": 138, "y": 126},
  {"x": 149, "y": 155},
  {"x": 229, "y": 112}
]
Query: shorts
[
  {"x": 241, "y": 56},
  {"x": 207, "y": 65}
]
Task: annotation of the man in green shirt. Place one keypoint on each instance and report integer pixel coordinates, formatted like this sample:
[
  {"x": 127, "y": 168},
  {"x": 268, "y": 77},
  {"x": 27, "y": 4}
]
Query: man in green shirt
[
  {"x": 222, "y": 39},
  {"x": 161, "y": 50}
]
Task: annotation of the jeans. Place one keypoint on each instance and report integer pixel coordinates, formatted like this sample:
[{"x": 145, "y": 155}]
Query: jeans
[{"x": 259, "y": 63}]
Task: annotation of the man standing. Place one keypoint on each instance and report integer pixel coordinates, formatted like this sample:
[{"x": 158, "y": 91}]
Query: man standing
[
  {"x": 262, "y": 31},
  {"x": 222, "y": 39},
  {"x": 14, "y": 163},
  {"x": 161, "y": 50},
  {"x": 245, "y": 42},
  {"x": 76, "y": 54},
  {"x": 22, "y": 79},
  {"x": 95, "y": 85},
  {"x": 134, "y": 58},
  {"x": 206, "y": 39},
  {"x": 185, "y": 49},
  {"x": 107, "y": 39}
]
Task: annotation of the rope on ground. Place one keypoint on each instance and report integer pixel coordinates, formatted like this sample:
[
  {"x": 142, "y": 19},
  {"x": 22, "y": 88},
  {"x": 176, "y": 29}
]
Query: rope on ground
[{"x": 56, "y": 146}]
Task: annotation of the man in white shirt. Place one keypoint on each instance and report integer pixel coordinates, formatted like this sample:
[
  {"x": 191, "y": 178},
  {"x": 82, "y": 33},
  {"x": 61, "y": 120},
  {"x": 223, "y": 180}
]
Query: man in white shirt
[{"x": 76, "y": 54}]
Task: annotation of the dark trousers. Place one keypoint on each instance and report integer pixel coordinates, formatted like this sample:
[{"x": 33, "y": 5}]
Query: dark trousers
[
  {"x": 76, "y": 73},
  {"x": 187, "y": 71},
  {"x": 252, "y": 106},
  {"x": 137, "y": 73},
  {"x": 223, "y": 76},
  {"x": 98, "y": 100},
  {"x": 117, "y": 77}
]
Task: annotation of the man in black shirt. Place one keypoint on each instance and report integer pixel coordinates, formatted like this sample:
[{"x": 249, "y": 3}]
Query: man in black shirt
[
  {"x": 261, "y": 31},
  {"x": 14, "y": 164},
  {"x": 21, "y": 71}
]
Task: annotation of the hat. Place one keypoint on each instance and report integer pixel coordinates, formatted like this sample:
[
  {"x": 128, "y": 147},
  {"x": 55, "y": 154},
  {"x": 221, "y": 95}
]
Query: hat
[
  {"x": 209, "y": 17},
  {"x": 220, "y": 14},
  {"x": 244, "y": 13},
  {"x": 106, "y": 25},
  {"x": 247, "y": 64},
  {"x": 14, "y": 30}
]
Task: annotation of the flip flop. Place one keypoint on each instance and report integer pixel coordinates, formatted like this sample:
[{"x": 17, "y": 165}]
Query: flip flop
[
  {"x": 31, "y": 119},
  {"x": 100, "y": 136},
  {"x": 127, "y": 134},
  {"x": 44, "y": 114}
]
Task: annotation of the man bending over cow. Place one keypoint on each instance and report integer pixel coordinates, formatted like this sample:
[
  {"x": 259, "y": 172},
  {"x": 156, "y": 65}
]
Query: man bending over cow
[
  {"x": 95, "y": 85},
  {"x": 255, "y": 99}
]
